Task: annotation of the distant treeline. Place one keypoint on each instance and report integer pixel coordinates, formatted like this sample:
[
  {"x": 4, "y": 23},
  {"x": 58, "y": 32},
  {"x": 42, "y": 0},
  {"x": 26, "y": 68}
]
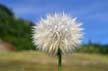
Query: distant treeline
[
  {"x": 18, "y": 32},
  {"x": 94, "y": 48}
]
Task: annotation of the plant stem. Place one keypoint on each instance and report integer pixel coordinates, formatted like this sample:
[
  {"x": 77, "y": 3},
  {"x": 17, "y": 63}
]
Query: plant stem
[{"x": 59, "y": 60}]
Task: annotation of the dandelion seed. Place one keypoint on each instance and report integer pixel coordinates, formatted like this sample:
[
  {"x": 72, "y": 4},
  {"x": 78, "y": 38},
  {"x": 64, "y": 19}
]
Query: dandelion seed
[{"x": 58, "y": 31}]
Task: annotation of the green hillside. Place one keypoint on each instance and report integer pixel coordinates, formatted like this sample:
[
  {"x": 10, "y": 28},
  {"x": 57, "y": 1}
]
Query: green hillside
[{"x": 14, "y": 30}]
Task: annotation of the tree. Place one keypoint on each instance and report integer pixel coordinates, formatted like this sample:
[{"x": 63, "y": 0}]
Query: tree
[{"x": 15, "y": 30}]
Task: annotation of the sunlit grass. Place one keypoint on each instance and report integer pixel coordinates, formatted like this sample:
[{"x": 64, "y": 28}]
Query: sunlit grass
[{"x": 36, "y": 61}]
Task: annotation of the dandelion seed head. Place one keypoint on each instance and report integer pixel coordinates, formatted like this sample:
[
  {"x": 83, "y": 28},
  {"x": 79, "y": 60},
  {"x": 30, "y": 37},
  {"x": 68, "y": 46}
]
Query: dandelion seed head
[{"x": 57, "y": 31}]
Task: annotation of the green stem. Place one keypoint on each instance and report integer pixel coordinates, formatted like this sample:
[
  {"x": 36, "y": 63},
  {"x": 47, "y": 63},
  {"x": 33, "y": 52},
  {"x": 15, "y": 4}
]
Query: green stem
[{"x": 59, "y": 60}]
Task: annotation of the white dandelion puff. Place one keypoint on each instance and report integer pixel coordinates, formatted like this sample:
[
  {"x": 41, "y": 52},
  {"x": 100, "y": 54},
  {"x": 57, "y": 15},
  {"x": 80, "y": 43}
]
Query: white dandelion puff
[{"x": 57, "y": 31}]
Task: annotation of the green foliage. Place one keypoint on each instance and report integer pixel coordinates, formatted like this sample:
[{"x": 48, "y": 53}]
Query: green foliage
[
  {"x": 15, "y": 31},
  {"x": 94, "y": 48},
  {"x": 5, "y": 11}
]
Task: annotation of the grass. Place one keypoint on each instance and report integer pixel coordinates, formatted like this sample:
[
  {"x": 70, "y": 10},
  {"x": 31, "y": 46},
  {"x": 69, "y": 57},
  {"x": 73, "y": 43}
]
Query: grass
[{"x": 36, "y": 61}]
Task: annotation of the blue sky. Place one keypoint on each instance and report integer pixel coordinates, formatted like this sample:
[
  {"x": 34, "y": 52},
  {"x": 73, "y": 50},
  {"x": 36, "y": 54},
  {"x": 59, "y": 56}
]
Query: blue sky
[{"x": 92, "y": 13}]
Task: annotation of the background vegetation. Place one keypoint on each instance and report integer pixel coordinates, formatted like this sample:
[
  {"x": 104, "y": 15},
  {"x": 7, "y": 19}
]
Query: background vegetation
[
  {"x": 94, "y": 48},
  {"x": 15, "y": 31}
]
